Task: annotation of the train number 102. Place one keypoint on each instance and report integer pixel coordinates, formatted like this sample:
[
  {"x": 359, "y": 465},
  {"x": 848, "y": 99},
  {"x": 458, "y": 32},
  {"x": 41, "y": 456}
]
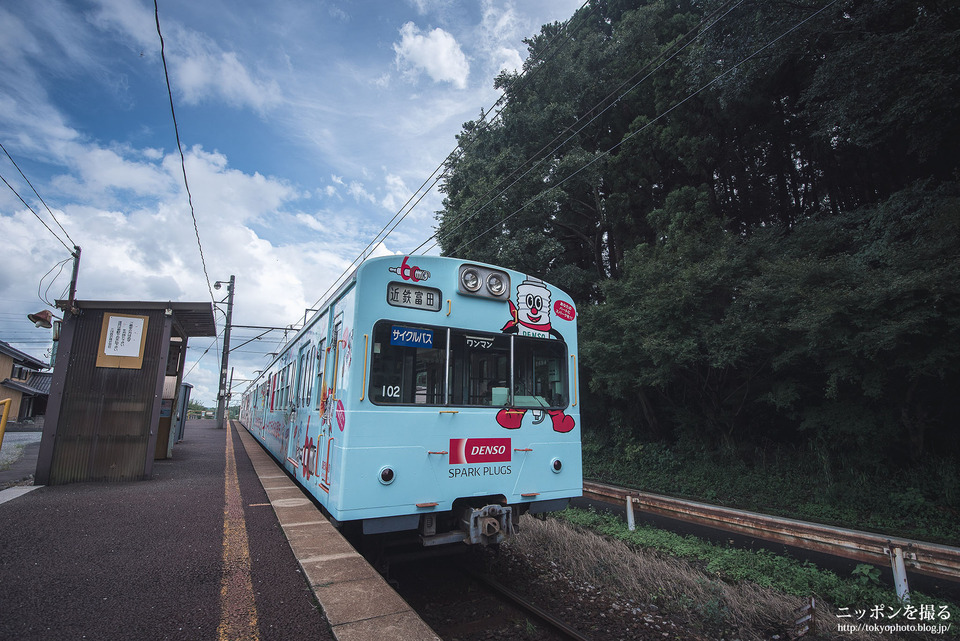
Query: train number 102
[{"x": 390, "y": 391}]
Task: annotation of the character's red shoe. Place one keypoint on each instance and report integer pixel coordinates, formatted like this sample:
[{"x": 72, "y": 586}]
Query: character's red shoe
[
  {"x": 562, "y": 422},
  {"x": 510, "y": 418}
]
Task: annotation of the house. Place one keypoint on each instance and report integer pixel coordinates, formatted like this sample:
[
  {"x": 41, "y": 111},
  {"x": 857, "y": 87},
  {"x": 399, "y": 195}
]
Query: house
[{"x": 23, "y": 382}]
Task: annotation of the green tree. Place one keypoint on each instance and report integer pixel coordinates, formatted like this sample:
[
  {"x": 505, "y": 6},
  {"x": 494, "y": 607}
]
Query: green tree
[{"x": 755, "y": 206}]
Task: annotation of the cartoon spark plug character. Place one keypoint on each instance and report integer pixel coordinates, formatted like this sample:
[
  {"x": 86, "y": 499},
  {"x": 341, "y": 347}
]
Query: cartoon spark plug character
[
  {"x": 531, "y": 317},
  {"x": 531, "y": 314}
]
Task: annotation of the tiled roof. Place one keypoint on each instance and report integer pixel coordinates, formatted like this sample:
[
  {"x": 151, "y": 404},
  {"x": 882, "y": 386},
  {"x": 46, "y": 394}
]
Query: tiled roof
[{"x": 20, "y": 357}]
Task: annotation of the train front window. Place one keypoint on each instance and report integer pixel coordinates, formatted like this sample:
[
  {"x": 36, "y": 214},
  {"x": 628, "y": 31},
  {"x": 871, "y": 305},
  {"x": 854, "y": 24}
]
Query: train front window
[
  {"x": 408, "y": 364},
  {"x": 540, "y": 373},
  {"x": 430, "y": 365},
  {"x": 479, "y": 368}
]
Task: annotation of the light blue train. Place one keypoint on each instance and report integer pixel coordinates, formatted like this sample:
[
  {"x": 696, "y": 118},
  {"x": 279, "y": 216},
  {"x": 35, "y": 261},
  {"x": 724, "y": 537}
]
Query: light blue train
[{"x": 437, "y": 398}]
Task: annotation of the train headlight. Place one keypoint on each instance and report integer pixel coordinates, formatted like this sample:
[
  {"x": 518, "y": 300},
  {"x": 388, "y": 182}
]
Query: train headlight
[
  {"x": 470, "y": 279},
  {"x": 387, "y": 475},
  {"x": 556, "y": 465},
  {"x": 495, "y": 284}
]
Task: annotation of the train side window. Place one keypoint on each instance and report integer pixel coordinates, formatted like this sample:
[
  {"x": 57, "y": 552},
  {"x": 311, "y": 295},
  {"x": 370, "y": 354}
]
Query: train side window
[
  {"x": 540, "y": 373},
  {"x": 308, "y": 374},
  {"x": 291, "y": 390},
  {"x": 321, "y": 355},
  {"x": 408, "y": 364},
  {"x": 300, "y": 385}
]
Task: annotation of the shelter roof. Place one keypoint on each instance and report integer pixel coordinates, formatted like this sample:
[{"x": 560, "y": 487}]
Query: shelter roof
[{"x": 194, "y": 319}]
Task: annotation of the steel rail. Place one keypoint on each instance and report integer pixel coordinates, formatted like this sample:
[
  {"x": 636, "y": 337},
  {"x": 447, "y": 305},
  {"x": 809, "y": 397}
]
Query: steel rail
[
  {"x": 931, "y": 559},
  {"x": 521, "y": 602}
]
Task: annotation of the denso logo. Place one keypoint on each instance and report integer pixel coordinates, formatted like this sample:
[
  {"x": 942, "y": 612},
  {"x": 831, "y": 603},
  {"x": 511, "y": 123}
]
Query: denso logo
[{"x": 479, "y": 450}]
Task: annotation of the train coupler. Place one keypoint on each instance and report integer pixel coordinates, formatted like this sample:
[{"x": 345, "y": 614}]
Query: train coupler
[{"x": 489, "y": 525}]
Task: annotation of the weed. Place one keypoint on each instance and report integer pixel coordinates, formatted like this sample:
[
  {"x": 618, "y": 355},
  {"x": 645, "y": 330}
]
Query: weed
[
  {"x": 866, "y": 574},
  {"x": 715, "y": 584},
  {"x": 919, "y": 503}
]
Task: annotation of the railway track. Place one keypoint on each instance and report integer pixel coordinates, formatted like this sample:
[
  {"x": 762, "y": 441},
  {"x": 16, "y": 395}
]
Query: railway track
[
  {"x": 461, "y": 602},
  {"x": 566, "y": 631},
  {"x": 492, "y": 595}
]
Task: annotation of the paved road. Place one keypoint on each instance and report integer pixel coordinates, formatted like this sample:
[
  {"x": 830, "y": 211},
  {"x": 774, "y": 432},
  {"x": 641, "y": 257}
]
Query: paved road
[
  {"x": 148, "y": 560},
  {"x": 14, "y": 444}
]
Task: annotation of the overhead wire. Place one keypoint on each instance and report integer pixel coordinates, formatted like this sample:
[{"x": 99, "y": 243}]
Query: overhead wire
[
  {"x": 200, "y": 358},
  {"x": 52, "y": 215},
  {"x": 460, "y": 148},
  {"x": 183, "y": 162},
  {"x": 42, "y": 221},
  {"x": 596, "y": 111},
  {"x": 645, "y": 126},
  {"x": 43, "y": 297}
]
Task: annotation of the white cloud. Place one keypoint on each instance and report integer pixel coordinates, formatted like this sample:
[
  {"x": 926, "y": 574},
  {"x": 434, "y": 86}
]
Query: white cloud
[
  {"x": 360, "y": 193},
  {"x": 500, "y": 30},
  {"x": 203, "y": 70},
  {"x": 437, "y": 53},
  {"x": 338, "y": 14},
  {"x": 132, "y": 19},
  {"x": 508, "y": 59},
  {"x": 397, "y": 193},
  {"x": 79, "y": 106},
  {"x": 228, "y": 195},
  {"x": 97, "y": 173},
  {"x": 200, "y": 69},
  {"x": 424, "y": 7}
]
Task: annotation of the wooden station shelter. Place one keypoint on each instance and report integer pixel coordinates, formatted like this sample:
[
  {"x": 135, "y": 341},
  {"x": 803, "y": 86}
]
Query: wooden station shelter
[{"x": 115, "y": 385}]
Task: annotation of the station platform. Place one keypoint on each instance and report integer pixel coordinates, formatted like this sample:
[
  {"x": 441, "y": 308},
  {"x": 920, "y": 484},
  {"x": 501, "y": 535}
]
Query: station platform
[{"x": 219, "y": 544}]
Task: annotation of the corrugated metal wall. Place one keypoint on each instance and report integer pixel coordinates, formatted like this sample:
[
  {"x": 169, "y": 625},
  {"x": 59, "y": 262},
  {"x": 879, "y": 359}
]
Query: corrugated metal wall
[{"x": 103, "y": 431}]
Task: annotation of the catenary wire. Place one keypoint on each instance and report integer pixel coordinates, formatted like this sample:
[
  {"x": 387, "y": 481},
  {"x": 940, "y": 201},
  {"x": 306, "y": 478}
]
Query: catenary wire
[
  {"x": 200, "y": 358},
  {"x": 395, "y": 221}
]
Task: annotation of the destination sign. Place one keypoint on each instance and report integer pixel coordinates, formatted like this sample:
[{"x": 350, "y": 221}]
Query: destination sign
[
  {"x": 411, "y": 337},
  {"x": 414, "y": 296}
]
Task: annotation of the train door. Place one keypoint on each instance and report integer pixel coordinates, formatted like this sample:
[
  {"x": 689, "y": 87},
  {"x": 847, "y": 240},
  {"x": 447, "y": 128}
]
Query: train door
[
  {"x": 301, "y": 446},
  {"x": 285, "y": 409},
  {"x": 331, "y": 368},
  {"x": 318, "y": 403}
]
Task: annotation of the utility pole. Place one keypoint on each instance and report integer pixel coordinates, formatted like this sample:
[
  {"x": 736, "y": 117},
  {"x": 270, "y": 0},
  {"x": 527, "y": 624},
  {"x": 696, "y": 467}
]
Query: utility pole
[
  {"x": 229, "y": 392},
  {"x": 70, "y": 306},
  {"x": 222, "y": 395},
  {"x": 73, "y": 278}
]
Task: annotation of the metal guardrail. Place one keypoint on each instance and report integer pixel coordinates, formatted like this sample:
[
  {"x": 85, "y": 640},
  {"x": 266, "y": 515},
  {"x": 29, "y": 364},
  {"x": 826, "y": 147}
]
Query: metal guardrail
[{"x": 931, "y": 559}]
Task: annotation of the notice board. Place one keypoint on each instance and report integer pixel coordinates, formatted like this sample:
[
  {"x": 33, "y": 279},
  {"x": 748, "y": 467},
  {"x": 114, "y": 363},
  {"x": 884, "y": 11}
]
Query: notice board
[{"x": 122, "y": 338}]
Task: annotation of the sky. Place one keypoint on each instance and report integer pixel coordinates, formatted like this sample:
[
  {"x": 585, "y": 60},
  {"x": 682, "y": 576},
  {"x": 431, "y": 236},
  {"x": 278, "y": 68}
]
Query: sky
[{"x": 305, "y": 125}]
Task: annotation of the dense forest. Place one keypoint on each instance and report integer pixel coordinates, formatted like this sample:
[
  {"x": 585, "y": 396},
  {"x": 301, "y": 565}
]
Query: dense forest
[{"x": 756, "y": 205}]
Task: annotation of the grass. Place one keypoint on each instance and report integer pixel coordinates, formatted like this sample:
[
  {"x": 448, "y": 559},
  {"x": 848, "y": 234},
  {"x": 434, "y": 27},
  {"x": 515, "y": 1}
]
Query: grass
[
  {"x": 722, "y": 591},
  {"x": 921, "y": 503},
  {"x": 11, "y": 455}
]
